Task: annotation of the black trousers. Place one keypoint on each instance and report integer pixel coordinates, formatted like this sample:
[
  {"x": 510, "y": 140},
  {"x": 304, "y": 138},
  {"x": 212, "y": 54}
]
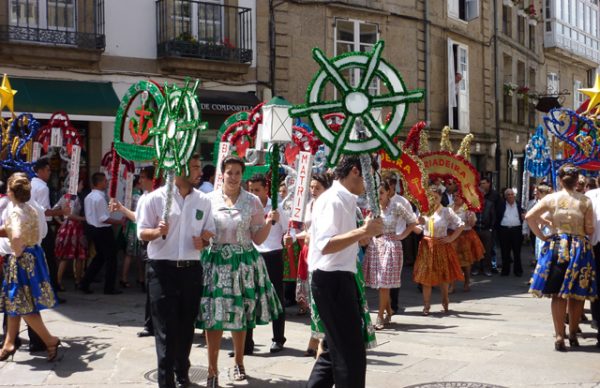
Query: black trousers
[
  {"x": 106, "y": 253},
  {"x": 274, "y": 262},
  {"x": 174, "y": 305},
  {"x": 596, "y": 303},
  {"x": 487, "y": 239},
  {"x": 147, "y": 315},
  {"x": 511, "y": 240},
  {"x": 344, "y": 362},
  {"x": 48, "y": 244}
]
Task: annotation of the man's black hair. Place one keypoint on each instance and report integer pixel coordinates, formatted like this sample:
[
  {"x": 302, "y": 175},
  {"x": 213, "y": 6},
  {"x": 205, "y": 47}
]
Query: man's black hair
[
  {"x": 40, "y": 164},
  {"x": 260, "y": 178},
  {"x": 97, "y": 177}
]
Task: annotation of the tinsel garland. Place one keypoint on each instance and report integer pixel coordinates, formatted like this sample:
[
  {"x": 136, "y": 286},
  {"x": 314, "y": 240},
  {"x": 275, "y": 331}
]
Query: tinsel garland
[
  {"x": 465, "y": 147},
  {"x": 274, "y": 177},
  {"x": 445, "y": 143},
  {"x": 366, "y": 165},
  {"x": 169, "y": 185},
  {"x": 114, "y": 173},
  {"x": 20, "y": 135},
  {"x": 525, "y": 189}
]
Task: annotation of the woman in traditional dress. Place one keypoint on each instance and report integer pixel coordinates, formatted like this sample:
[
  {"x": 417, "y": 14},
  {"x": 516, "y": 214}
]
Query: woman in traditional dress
[
  {"x": 71, "y": 244},
  {"x": 437, "y": 262},
  {"x": 382, "y": 264},
  {"x": 237, "y": 293},
  {"x": 133, "y": 246},
  {"x": 318, "y": 184},
  {"x": 26, "y": 288},
  {"x": 468, "y": 246},
  {"x": 566, "y": 270}
]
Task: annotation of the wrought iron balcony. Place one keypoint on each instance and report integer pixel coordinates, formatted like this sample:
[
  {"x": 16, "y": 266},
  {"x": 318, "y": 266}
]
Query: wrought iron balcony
[
  {"x": 196, "y": 29},
  {"x": 78, "y": 23}
]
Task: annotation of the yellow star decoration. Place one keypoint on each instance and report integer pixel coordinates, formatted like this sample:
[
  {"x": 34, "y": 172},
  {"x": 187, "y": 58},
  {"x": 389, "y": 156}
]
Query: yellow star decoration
[
  {"x": 593, "y": 94},
  {"x": 7, "y": 95}
]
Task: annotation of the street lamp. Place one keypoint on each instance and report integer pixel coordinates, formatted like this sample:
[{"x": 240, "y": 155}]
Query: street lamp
[{"x": 276, "y": 130}]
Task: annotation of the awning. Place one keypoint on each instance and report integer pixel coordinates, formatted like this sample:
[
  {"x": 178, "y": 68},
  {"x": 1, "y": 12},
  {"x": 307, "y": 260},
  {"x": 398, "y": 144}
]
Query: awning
[
  {"x": 76, "y": 98},
  {"x": 225, "y": 103}
]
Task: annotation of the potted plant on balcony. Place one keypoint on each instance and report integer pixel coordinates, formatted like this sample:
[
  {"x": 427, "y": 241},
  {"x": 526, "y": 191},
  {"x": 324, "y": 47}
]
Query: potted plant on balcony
[
  {"x": 523, "y": 92},
  {"x": 508, "y": 3},
  {"x": 510, "y": 88},
  {"x": 533, "y": 97},
  {"x": 532, "y": 15},
  {"x": 521, "y": 10}
]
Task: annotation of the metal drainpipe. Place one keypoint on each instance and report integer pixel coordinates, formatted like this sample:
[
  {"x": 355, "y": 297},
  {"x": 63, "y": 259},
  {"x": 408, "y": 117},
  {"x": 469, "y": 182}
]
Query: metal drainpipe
[
  {"x": 272, "y": 53},
  {"x": 426, "y": 44},
  {"x": 496, "y": 91}
]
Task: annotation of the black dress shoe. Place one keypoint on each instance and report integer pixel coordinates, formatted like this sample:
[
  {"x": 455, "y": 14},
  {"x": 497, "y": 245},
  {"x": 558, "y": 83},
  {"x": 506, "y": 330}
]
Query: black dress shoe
[
  {"x": 86, "y": 290},
  {"x": 276, "y": 347},
  {"x": 60, "y": 300},
  {"x": 182, "y": 382},
  {"x": 34, "y": 348},
  {"x": 145, "y": 333},
  {"x": 519, "y": 274},
  {"x": 113, "y": 292}
]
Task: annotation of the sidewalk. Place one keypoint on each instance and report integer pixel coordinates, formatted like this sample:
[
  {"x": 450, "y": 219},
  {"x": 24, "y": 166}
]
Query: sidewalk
[{"x": 496, "y": 334}]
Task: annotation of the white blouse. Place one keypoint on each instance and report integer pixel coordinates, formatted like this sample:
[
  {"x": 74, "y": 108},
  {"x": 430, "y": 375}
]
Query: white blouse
[{"x": 437, "y": 225}]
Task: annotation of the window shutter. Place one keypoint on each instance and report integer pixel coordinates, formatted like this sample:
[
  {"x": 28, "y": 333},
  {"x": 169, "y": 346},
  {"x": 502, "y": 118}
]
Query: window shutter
[
  {"x": 453, "y": 10},
  {"x": 471, "y": 9}
]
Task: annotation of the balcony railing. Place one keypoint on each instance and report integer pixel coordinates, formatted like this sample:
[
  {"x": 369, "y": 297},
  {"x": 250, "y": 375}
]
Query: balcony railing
[
  {"x": 78, "y": 23},
  {"x": 196, "y": 29}
]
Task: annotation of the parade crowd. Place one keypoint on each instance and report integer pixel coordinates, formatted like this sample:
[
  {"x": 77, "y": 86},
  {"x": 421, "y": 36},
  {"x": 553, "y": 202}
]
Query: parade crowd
[{"x": 225, "y": 260}]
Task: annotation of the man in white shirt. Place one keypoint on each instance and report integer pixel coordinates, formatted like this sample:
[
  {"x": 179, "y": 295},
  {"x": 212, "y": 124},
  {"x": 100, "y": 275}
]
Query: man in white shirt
[
  {"x": 510, "y": 227},
  {"x": 272, "y": 251},
  {"x": 594, "y": 195},
  {"x": 332, "y": 260},
  {"x": 100, "y": 230},
  {"x": 175, "y": 273},
  {"x": 40, "y": 193},
  {"x": 208, "y": 179}
]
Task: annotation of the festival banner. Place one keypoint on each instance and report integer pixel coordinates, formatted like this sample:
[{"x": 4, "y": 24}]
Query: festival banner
[
  {"x": 128, "y": 190},
  {"x": 445, "y": 164},
  {"x": 412, "y": 174},
  {"x": 301, "y": 190},
  {"x": 224, "y": 148},
  {"x": 74, "y": 169}
]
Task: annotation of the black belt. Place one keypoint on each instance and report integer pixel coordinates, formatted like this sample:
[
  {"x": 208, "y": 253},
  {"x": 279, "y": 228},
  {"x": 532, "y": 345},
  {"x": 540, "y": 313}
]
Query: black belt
[
  {"x": 177, "y": 263},
  {"x": 511, "y": 227}
]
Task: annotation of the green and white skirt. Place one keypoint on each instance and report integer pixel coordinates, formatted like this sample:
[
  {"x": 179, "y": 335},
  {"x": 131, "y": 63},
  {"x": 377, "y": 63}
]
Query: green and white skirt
[{"x": 236, "y": 294}]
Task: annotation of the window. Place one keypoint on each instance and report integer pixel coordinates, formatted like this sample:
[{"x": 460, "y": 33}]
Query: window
[
  {"x": 507, "y": 20},
  {"x": 553, "y": 83},
  {"x": 532, "y": 103},
  {"x": 532, "y": 38},
  {"x": 578, "y": 97},
  {"x": 466, "y": 10},
  {"x": 521, "y": 30},
  {"x": 354, "y": 35},
  {"x": 458, "y": 86},
  {"x": 590, "y": 77},
  {"x": 201, "y": 21},
  {"x": 50, "y": 14}
]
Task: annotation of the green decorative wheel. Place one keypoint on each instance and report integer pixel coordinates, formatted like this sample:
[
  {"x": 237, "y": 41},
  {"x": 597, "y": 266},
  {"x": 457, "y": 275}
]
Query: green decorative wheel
[
  {"x": 177, "y": 129},
  {"x": 128, "y": 151},
  {"x": 356, "y": 103}
]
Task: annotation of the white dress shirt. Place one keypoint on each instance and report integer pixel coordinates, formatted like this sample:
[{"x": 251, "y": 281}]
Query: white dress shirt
[
  {"x": 40, "y": 193},
  {"x": 206, "y": 187},
  {"x": 96, "y": 209},
  {"x": 189, "y": 217},
  {"x": 511, "y": 216},
  {"x": 594, "y": 196},
  {"x": 273, "y": 241},
  {"x": 401, "y": 201},
  {"x": 5, "y": 248},
  {"x": 334, "y": 213}
]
